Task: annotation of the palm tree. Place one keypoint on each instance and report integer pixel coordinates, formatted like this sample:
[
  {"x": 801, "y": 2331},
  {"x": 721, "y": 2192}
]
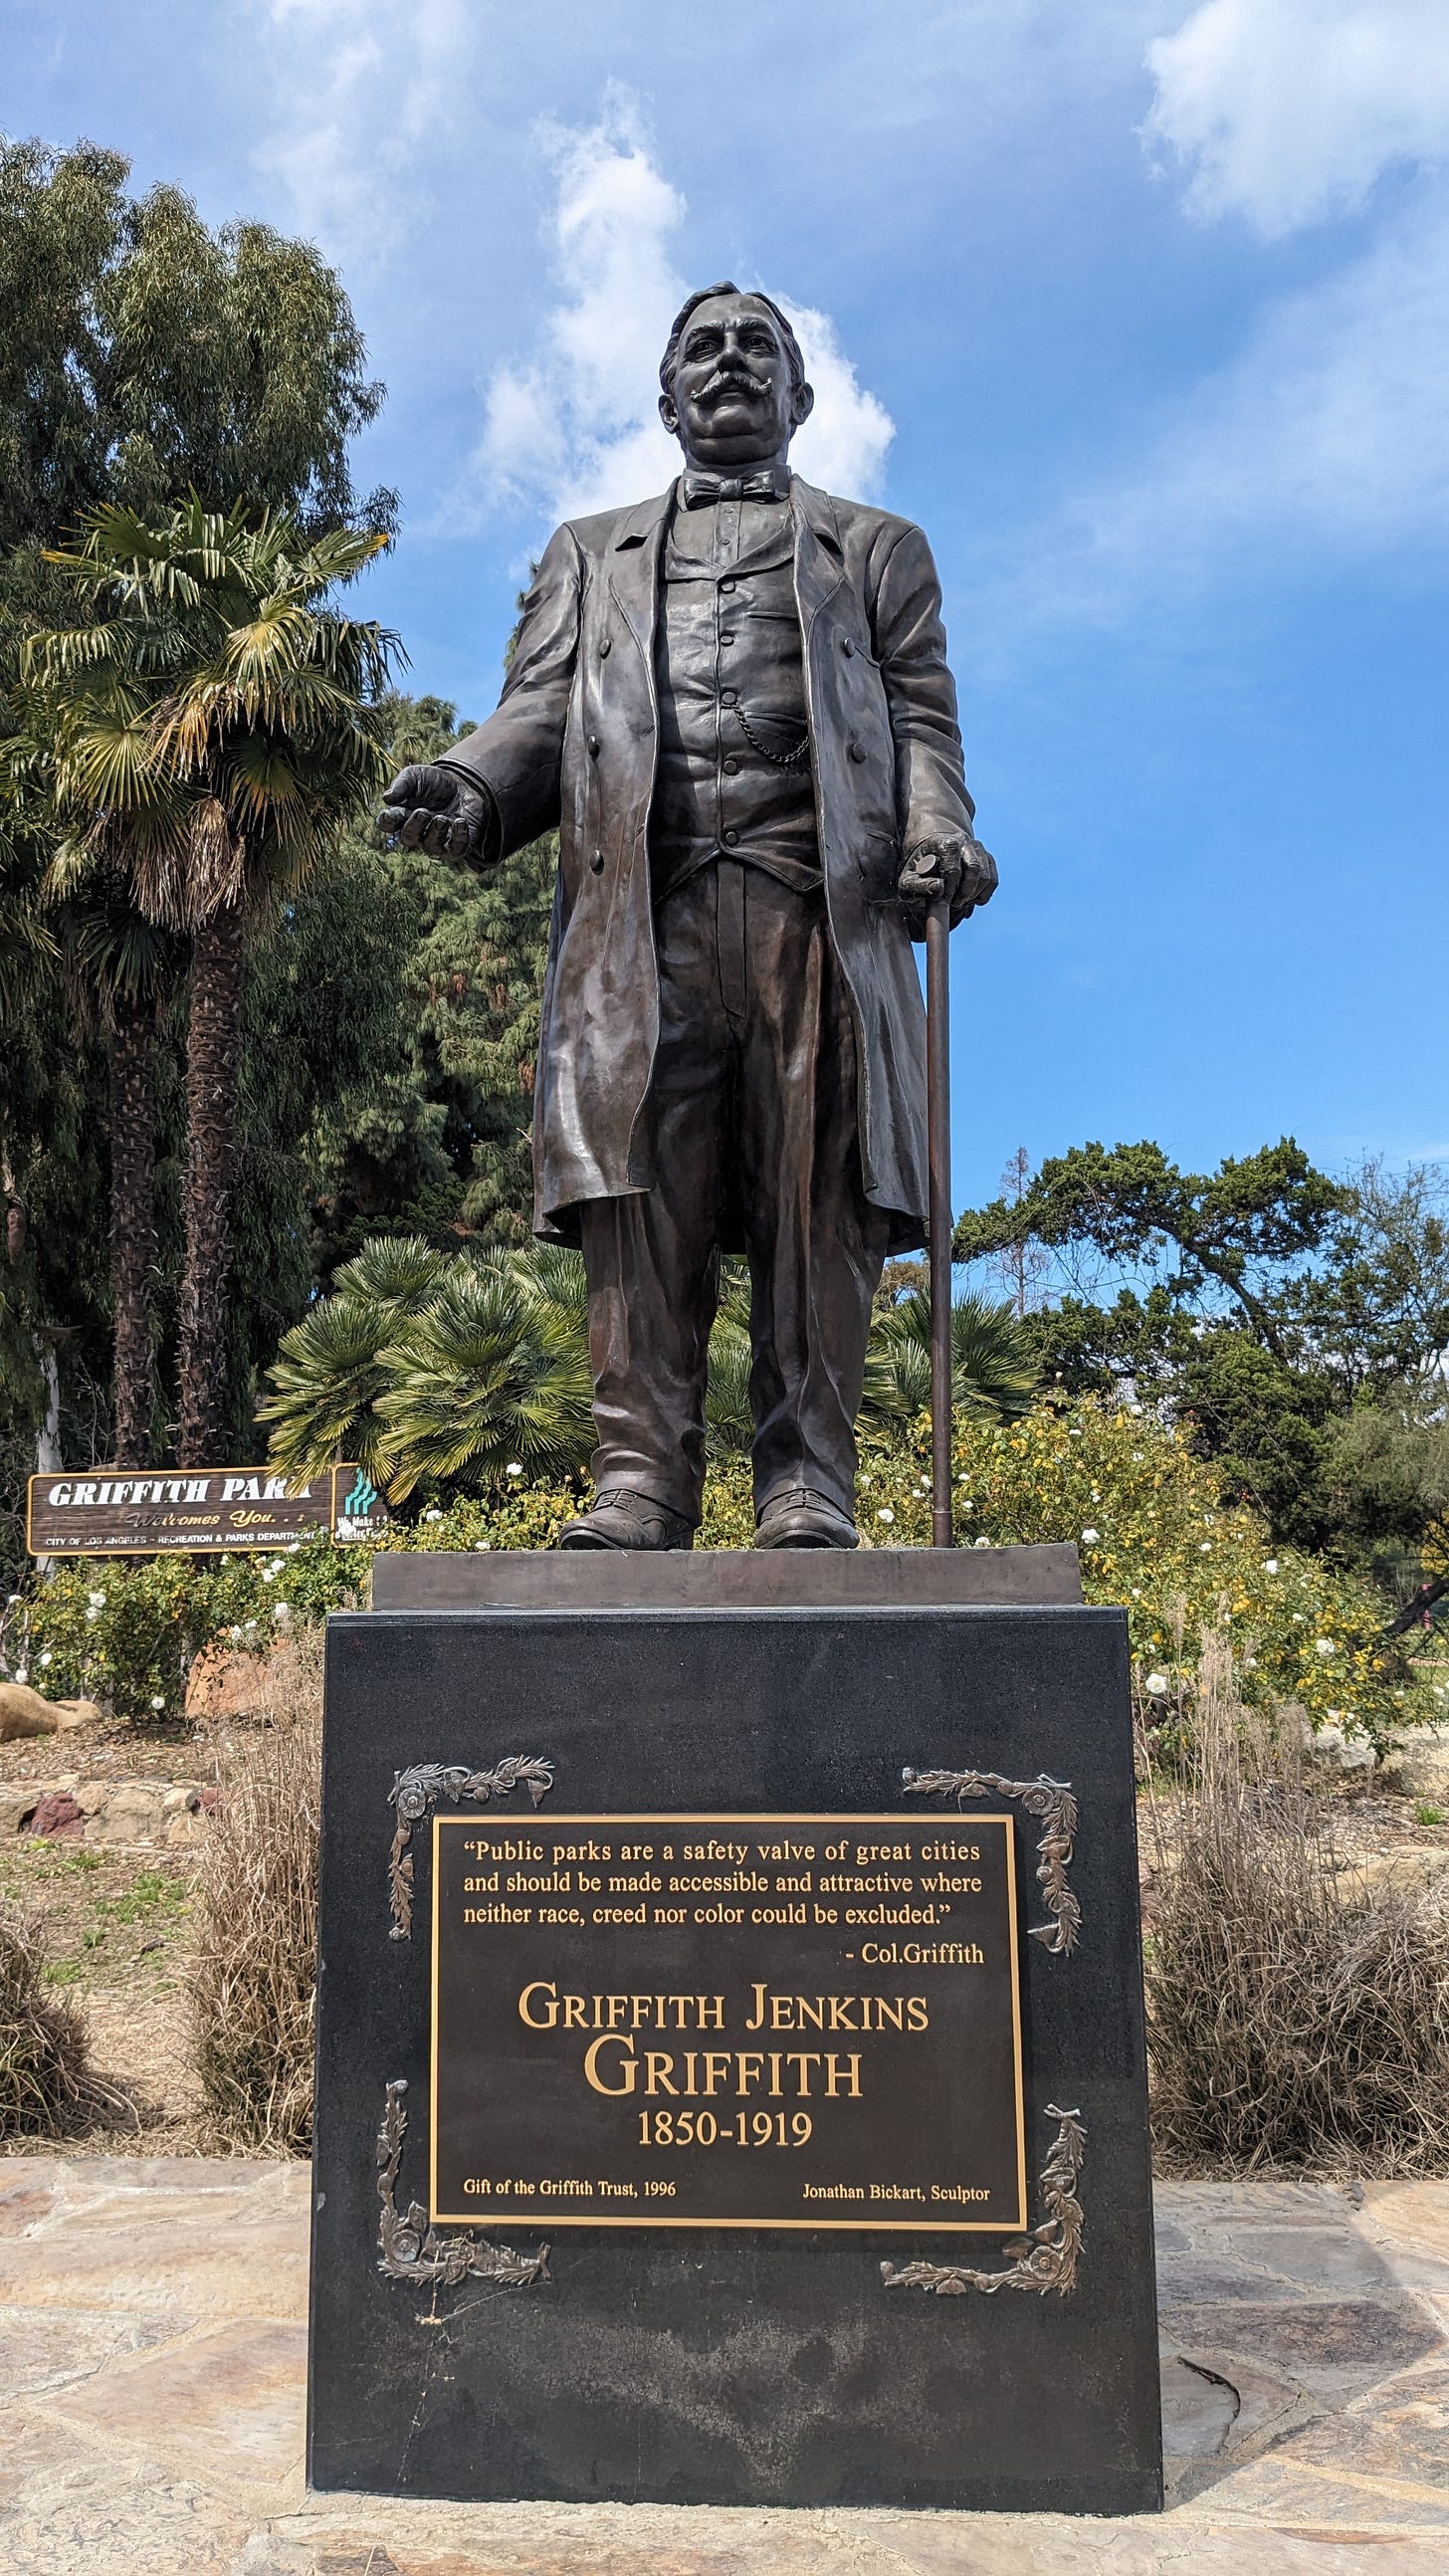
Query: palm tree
[
  {"x": 491, "y": 1374},
  {"x": 424, "y": 1366},
  {"x": 114, "y": 967},
  {"x": 214, "y": 722},
  {"x": 119, "y": 970},
  {"x": 332, "y": 1367},
  {"x": 993, "y": 1367}
]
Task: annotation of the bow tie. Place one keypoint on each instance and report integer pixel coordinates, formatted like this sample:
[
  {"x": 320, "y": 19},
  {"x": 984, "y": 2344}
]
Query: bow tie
[{"x": 701, "y": 490}]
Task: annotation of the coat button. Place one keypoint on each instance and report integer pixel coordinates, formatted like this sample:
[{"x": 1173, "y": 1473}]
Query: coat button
[
  {"x": 728, "y": 583},
  {"x": 593, "y": 746},
  {"x": 727, "y": 697},
  {"x": 846, "y": 645},
  {"x": 727, "y": 639},
  {"x": 606, "y": 647},
  {"x": 597, "y": 863},
  {"x": 855, "y": 749},
  {"x": 731, "y": 836},
  {"x": 731, "y": 765}
]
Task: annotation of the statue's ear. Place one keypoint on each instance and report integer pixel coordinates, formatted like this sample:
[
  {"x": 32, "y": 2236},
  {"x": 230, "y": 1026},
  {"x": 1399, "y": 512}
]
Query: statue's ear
[
  {"x": 669, "y": 414},
  {"x": 802, "y": 403}
]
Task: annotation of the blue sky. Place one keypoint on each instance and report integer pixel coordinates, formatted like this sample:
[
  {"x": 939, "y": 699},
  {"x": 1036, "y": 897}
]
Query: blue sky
[{"x": 1142, "y": 309}]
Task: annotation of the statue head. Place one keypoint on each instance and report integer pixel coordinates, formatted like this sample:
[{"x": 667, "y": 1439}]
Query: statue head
[{"x": 733, "y": 380}]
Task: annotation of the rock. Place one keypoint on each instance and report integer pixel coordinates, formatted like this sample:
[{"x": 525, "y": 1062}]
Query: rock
[
  {"x": 1420, "y": 1866},
  {"x": 132, "y": 1813},
  {"x": 225, "y": 1684},
  {"x": 187, "y": 1809},
  {"x": 17, "y": 1806},
  {"x": 1419, "y": 1767},
  {"x": 56, "y": 1812},
  {"x": 1339, "y": 1752},
  {"x": 24, "y": 1712},
  {"x": 91, "y": 1796}
]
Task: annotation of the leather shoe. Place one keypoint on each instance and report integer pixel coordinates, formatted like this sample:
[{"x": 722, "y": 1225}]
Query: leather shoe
[
  {"x": 621, "y": 1519},
  {"x": 796, "y": 1517}
]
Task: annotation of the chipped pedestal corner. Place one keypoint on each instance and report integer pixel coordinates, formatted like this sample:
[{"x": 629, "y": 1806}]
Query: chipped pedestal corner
[{"x": 153, "y": 2372}]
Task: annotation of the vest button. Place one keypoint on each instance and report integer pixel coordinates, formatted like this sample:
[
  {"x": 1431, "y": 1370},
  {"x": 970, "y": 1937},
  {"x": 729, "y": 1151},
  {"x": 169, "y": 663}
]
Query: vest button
[
  {"x": 597, "y": 863},
  {"x": 606, "y": 647},
  {"x": 593, "y": 746},
  {"x": 856, "y": 749}
]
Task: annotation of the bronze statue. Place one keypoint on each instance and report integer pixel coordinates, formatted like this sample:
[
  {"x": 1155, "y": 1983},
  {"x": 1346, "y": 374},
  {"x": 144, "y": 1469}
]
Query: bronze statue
[{"x": 733, "y": 701}]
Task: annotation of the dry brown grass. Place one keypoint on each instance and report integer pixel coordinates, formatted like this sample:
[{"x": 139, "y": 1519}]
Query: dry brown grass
[
  {"x": 48, "y": 2087},
  {"x": 253, "y": 1977},
  {"x": 1297, "y": 2015}
]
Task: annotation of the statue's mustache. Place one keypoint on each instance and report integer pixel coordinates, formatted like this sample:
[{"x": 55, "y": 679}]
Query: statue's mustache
[{"x": 729, "y": 381}]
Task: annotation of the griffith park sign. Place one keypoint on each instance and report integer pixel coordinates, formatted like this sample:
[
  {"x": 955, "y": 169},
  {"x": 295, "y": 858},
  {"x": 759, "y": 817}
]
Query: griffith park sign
[{"x": 109, "y": 1511}]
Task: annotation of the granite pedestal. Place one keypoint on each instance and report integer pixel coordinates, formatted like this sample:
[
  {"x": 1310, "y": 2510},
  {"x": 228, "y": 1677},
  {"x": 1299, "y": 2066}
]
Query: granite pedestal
[{"x": 713, "y": 2187}]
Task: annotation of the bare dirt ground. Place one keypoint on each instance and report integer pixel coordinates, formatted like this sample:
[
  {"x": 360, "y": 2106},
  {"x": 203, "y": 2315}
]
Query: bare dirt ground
[{"x": 120, "y": 1920}]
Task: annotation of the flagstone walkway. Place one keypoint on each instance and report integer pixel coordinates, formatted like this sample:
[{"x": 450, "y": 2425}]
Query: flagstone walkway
[{"x": 153, "y": 2365}]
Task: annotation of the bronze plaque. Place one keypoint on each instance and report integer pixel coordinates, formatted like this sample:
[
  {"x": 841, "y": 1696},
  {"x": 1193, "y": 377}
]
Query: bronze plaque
[
  {"x": 727, "y": 2021},
  {"x": 118, "y": 1511}
]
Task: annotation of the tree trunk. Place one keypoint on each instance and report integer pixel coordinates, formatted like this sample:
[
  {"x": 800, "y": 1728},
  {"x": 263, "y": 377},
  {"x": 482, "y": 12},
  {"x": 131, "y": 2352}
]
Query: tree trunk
[
  {"x": 213, "y": 1053},
  {"x": 1424, "y": 1599},
  {"x": 48, "y": 1460},
  {"x": 133, "y": 1228}
]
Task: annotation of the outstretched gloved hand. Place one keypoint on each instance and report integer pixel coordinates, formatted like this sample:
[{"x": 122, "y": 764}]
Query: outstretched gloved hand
[{"x": 438, "y": 810}]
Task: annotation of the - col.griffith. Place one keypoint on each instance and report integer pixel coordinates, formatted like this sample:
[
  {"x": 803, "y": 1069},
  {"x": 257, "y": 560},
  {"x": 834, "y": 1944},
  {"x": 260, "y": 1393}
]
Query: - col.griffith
[{"x": 734, "y": 703}]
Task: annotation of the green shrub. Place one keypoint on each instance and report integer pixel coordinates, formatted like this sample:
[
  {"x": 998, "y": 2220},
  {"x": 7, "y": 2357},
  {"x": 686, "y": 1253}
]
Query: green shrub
[
  {"x": 125, "y": 1631},
  {"x": 1121, "y": 1486}
]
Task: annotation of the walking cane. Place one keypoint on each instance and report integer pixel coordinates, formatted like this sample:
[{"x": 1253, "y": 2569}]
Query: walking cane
[{"x": 938, "y": 1155}]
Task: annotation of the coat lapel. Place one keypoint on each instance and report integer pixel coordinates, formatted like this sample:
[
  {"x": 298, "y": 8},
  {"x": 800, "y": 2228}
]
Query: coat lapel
[
  {"x": 819, "y": 555},
  {"x": 634, "y": 571}
]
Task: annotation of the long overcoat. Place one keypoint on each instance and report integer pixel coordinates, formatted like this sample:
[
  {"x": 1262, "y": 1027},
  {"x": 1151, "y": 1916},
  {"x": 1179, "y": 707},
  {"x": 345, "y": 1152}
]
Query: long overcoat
[{"x": 574, "y": 742}]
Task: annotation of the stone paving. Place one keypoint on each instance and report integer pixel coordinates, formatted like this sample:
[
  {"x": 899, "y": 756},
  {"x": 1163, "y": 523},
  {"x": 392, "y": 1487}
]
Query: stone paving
[{"x": 153, "y": 2365}]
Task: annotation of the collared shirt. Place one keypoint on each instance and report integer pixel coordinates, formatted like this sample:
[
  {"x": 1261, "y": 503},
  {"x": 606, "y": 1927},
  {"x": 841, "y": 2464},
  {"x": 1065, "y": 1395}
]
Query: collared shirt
[{"x": 730, "y": 671}]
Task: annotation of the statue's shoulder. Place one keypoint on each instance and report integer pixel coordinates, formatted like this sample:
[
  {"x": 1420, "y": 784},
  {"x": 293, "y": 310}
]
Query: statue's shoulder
[
  {"x": 859, "y": 528},
  {"x": 605, "y": 530}
]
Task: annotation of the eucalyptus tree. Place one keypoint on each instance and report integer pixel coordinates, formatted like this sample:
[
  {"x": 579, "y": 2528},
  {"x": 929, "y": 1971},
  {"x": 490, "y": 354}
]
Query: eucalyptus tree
[
  {"x": 144, "y": 353},
  {"x": 215, "y": 722}
]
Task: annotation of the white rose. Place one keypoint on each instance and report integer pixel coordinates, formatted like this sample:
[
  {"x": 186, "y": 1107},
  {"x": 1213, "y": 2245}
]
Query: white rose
[{"x": 1157, "y": 1685}]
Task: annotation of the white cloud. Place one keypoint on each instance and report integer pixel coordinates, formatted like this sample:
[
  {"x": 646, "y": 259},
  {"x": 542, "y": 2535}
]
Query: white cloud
[
  {"x": 843, "y": 444},
  {"x": 1286, "y": 111},
  {"x": 575, "y": 427},
  {"x": 1327, "y": 439},
  {"x": 366, "y": 98}
]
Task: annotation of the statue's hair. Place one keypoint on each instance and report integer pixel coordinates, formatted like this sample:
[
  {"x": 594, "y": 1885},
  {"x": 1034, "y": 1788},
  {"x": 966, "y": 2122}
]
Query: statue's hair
[{"x": 727, "y": 286}]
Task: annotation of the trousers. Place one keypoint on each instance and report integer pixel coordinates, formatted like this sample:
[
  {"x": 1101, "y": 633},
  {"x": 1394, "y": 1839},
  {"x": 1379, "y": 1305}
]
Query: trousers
[{"x": 755, "y": 1138}]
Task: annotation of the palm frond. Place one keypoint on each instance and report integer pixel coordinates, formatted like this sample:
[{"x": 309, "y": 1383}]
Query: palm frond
[
  {"x": 486, "y": 1376},
  {"x": 325, "y": 1382},
  {"x": 993, "y": 1367}
]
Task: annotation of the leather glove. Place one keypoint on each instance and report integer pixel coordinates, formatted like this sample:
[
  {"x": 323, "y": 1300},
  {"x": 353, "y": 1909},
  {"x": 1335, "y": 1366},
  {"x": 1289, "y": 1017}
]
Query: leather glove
[{"x": 431, "y": 808}]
